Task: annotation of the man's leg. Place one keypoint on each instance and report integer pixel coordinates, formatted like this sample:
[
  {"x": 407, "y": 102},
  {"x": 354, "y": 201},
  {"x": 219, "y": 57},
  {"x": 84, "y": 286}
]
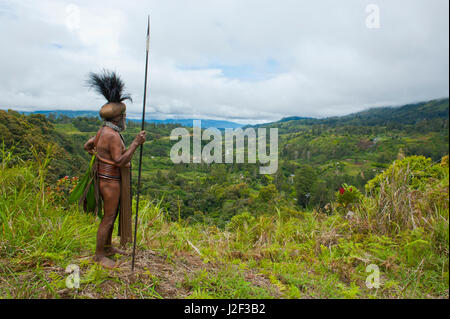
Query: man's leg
[
  {"x": 110, "y": 192},
  {"x": 110, "y": 250},
  {"x": 108, "y": 244}
]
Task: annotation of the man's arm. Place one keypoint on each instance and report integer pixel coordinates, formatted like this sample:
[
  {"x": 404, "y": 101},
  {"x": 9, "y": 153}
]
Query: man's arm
[
  {"x": 122, "y": 159},
  {"x": 89, "y": 145}
]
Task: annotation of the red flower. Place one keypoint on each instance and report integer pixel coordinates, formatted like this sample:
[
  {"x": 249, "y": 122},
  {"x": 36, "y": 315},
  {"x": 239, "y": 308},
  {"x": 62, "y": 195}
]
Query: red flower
[
  {"x": 350, "y": 189},
  {"x": 66, "y": 177},
  {"x": 341, "y": 190}
]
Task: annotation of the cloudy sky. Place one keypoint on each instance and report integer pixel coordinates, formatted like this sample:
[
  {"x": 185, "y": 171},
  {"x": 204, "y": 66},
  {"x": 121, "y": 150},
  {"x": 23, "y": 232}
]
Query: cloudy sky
[{"x": 242, "y": 60}]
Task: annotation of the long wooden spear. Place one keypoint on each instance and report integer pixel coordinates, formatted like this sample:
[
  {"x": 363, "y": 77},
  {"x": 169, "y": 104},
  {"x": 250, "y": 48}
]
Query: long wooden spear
[{"x": 141, "y": 147}]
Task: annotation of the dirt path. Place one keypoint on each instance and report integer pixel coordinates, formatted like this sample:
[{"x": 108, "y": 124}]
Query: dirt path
[
  {"x": 154, "y": 276},
  {"x": 169, "y": 273}
]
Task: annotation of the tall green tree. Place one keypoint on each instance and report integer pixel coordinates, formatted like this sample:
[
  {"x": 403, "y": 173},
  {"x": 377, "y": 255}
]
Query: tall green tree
[{"x": 304, "y": 181}]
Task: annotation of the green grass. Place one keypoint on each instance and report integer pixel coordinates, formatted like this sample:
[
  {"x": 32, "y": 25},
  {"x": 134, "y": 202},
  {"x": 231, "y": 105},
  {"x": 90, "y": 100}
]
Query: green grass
[
  {"x": 69, "y": 128},
  {"x": 226, "y": 284}
]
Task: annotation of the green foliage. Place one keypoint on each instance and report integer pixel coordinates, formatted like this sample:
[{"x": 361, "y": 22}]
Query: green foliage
[
  {"x": 227, "y": 284},
  {"x": 60, "y": 191},
  {"x": 304, "y": 181},
  {"x": 86, "y": 183},
  {"x": 268, "y": 193},
  {"x": 351, "y": 153},
  {"x": 86, "y": 124},
  {"x": 30, "y": 135},
  {"x": 419, "y": 169},
  {"x": 280, "y": 254},
  {"x": 412, "y": 193},
  {"x": 416, "y": 251},
  {"x": 34, "y": 229},
  {"x": 348, "y": 196},
  {"x": 425, "y": 116},
  {"x": 241, "y": 223},
  {"x": 243, "y": 227}
]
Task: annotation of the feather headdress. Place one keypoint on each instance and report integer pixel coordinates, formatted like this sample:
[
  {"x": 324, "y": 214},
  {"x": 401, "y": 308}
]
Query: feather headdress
[{"x": 111, "y": 87}]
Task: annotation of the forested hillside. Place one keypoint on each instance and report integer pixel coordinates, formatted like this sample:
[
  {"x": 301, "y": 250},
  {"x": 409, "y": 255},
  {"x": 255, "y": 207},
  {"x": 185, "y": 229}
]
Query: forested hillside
[
  {"x": 348, "y": 194},
  {"x": 400, "y": 230},
  {"x": 383, "y": 116},
  {"x": 316, "y": 156}
]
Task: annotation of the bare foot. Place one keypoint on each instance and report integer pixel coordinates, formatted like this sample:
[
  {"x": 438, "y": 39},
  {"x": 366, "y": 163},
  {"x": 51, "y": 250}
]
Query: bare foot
[
  {"x": 105, "y": 262},
  {"x": 112, "y": 251}
]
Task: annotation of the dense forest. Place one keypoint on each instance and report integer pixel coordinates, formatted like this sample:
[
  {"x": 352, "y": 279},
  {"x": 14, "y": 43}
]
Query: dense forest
[{"x": 316, "y": 157}]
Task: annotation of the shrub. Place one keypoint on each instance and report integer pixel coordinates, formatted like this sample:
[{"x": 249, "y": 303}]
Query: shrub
[
  {"x": 348, "y": 197},
  {"x": 419, "y": 169},
  {"x": 267, "y": 193},
  {"x": 412, "y": 193}
]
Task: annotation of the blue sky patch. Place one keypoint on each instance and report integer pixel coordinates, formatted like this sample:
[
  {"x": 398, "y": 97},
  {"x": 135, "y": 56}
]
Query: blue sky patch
[
  {"x": 7, "y": 11},
  {"x": 56, "y": 45},
  {"x": 246, "y": 72}
]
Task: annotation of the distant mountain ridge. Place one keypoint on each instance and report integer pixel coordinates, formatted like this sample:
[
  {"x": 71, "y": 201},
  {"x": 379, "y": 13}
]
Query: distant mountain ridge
[
  {"x": 184, "y": 122},
  {"x": 406, "y": 114},
  {"x": 58, "y": 113},
  {"x": 294, "y": 118}
]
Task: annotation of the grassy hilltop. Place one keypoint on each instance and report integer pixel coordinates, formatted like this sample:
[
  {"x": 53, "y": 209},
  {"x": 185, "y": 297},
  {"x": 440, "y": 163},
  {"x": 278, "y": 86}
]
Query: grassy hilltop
[
  {"x": 377, "y": 196},
  {"x": 402, "y": 229}
]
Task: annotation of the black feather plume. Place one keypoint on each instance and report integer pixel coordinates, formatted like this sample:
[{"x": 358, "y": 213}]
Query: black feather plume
[{"x": 109, "y": 85}]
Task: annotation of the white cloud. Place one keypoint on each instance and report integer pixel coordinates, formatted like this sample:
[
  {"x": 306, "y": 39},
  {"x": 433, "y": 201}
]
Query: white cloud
[{"x": 242, "y": 60}]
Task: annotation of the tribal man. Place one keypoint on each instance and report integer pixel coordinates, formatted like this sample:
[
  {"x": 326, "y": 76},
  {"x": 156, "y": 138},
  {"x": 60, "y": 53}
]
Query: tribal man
[{"x": 112, "y": 166}]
